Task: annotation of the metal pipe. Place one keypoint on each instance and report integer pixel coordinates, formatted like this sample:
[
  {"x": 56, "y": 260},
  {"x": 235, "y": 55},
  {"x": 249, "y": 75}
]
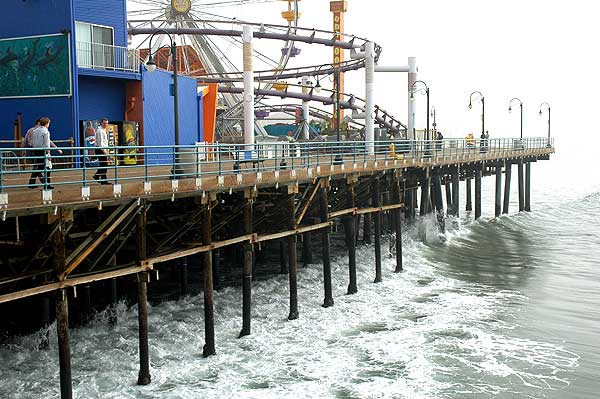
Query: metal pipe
[
  {"x": 305, "y": 110},
  {"x": 390, "y": 68}
]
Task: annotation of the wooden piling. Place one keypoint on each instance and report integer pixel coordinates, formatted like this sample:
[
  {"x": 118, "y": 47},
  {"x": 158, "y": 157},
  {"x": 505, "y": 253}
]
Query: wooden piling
[
  {"x": 507, "y": 178},
  {"x": 64, "y": 349},
  {"x": 183, "y": 277},
  {"x": 283, "y": 267},
  {"x": 498, "y": 203},
  {"x": 397, "y": 223},
  {"x": 209, "y": 313},
  {"x": 216, "y": 268},
  {"x": 247, "y": 272},
  {"x": 62, "y": 312},
  {"x": 455, "y": 193},
  {"x": 325, "y": 243},
  {"x": 477, "y": 194},
  {"x": 438, "y": 200},
  {"x": 351, "y": 238},
  {"x": 144, "y": 374},
  {"x": 45, "y": 310},
  {"x": 469, "y": 205},
  {"x": 141, "y": 254},
  {"x": 292, "y": 256},
  {"x": 521, "y": 186},
  {"x": 307, "y": 257},
  {"x": 448, "y": 187},
  {"x": 528, "y": 187},
  {"x": 376, "y": 201},
  {"x": 425, "y": 190},
  {"x": 367, "y": 222}
]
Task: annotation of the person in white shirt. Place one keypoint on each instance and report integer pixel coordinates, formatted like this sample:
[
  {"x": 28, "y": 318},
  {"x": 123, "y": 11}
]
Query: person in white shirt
[
  {"x": 38, "y": 139},
  {"x": 102, "y": 151}
]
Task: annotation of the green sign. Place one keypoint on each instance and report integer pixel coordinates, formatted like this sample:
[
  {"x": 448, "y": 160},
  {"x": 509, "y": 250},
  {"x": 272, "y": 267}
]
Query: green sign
[{"x": 37, "y": 66}]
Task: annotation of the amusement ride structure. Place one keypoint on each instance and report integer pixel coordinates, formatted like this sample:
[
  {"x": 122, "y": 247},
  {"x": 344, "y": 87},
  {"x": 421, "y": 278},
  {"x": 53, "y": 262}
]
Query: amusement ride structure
[{"x": 211, "y": 42}]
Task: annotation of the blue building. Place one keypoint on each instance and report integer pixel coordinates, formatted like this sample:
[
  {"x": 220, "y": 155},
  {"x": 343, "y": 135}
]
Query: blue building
[{"x": 69, "y": 60}]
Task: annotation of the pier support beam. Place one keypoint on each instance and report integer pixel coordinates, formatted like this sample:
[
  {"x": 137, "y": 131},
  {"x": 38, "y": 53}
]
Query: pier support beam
[
  {"x": 351, "y": 235},
  {"x": 367, "y": 222},
  {"x": 144, "y": 374},
  {"x": 521, "y": 186},
  {"x": 469, "y": 205},
  {"x": 216, "y": 267},
  {"x": 325, "y": 242},
  {"x": 397, "y": 223},
  {"x": 45, "y": 305},
  {"x": 59, "y": 264},
  {"x": 376, "y": 200},
  {"x": 247, "y": 268},
  {"x": 439, "y": 202},
  {"x": 528, "y": 187},
  {"x": 283, "y": 267},
  {"x": 448, "y": 189},
  {"x": 498, "y": 203},
  {"x": 425, "y": 186},
  {"x": 507, "y": 178},
  {"x": 141, "y": 253},
  {"x": 477, "y": 194},
  {"x": 455, "y": 193},
  {"x": 307, "y": 257},
  {"x": 209, "y": 311},
  {"x": 292, "y": 255},
  {"x": 64, "y": 349},
  {"x": 183, "y": 277}
]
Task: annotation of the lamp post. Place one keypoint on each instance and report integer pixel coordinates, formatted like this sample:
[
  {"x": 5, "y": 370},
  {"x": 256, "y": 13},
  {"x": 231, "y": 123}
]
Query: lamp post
[
  {"x": 520, "y": 106},
  {"x": 434, "y": 124},
  {"x": 412, "y": 98},
  {"x": 482, "y": 110},
  {"x": 548, "y": 107},
  {"x": 151, "y": 67}
]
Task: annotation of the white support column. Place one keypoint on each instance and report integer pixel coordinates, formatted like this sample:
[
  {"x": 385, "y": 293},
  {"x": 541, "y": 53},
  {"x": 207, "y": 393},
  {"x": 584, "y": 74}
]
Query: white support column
[
  {"x": 248, "y": 92},
  {"x": 369, "y": 103},
  {"x": 305, "y": 110},
  {"x": 412, "y": 78}
]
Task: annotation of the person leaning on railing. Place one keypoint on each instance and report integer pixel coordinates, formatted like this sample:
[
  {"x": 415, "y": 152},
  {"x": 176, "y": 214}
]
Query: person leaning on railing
[{"x": 39, "y": 139}]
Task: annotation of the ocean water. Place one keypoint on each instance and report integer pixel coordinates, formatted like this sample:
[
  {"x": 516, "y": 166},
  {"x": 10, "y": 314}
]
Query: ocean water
[{"x": 505, "y": 308}]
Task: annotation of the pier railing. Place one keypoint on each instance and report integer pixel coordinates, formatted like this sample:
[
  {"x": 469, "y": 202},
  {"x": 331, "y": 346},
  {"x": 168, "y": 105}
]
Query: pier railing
[{"x": 77, "y": 165}]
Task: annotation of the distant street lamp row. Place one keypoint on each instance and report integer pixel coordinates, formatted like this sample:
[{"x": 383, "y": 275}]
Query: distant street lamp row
[{"x": 479, "y": 97}]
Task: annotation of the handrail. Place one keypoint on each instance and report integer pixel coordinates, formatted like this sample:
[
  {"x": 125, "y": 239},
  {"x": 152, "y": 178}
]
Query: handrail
[{"x": 148, "y": 163}]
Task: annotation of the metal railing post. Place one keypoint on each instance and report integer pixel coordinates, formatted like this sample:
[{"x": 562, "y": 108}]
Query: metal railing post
[
  {"x": 116, "y": 163},
  {"x": 1, "y": 171}
]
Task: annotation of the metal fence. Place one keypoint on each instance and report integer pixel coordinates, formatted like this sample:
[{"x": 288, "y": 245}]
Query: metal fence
[{"x": 77, "y": 165}]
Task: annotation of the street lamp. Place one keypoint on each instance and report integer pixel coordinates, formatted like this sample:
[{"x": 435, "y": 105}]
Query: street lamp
[
  {"x": 548, "y": 107},
  {"x": 482, "y": 110},
  {"x": 412, "y": 98},
  {"x": 520, "y": 106},
  {"x": 151, "y": 67}
]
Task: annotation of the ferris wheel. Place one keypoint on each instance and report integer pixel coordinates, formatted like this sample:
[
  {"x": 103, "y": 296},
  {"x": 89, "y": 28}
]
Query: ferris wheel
[{"x": 220, "y": 57}]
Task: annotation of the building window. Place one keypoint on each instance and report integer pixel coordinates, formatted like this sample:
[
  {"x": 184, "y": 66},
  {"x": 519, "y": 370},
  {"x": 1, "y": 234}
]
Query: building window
[{"x": 94, "y": 45}]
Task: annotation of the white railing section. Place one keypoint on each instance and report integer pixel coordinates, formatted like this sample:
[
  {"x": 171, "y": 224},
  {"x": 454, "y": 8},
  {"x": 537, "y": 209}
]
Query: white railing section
[{"x": 107, "y": 57}]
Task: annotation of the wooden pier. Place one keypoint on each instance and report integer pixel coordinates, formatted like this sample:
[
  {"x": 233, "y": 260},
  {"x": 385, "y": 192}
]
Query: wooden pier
[{"x": 84, "y": 234}]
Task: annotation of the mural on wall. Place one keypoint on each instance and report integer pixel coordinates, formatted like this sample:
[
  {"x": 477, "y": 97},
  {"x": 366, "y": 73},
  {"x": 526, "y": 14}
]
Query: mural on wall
[{"x": 37, "y": 66}]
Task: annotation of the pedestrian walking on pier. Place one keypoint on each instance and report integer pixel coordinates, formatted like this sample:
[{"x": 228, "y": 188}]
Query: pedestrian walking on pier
[
  {"x": 102, "y": 151},
  {"x": 39, "y": 140}
]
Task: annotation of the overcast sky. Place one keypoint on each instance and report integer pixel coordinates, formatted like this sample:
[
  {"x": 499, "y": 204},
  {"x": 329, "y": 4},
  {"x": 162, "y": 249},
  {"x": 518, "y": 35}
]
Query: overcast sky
[{"x": 537, "y": 50}]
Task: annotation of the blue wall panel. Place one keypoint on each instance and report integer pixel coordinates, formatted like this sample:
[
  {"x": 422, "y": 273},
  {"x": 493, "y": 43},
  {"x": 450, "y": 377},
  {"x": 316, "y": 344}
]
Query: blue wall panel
[
  {"x": 104, "y": 12},
  {"x": 101, "y": 97},
  {"x": 31, "y": 18},
  {"x": 158, "y": 109}
]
